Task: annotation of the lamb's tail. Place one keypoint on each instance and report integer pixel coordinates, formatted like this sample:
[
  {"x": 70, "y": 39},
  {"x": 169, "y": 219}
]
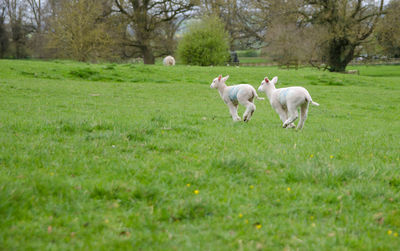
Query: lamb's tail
[
  {"x": 314, "y": 103},
  {"x": 309, "y": 99},
  {"x": 255, "y": 95}
]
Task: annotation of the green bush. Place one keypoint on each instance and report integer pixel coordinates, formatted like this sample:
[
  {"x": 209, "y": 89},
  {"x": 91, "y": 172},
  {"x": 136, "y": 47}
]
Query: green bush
[{"x": 205, "y": 43}]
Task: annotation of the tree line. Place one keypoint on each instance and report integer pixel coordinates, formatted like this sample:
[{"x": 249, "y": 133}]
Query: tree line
[{"x": 323, "y": 33}]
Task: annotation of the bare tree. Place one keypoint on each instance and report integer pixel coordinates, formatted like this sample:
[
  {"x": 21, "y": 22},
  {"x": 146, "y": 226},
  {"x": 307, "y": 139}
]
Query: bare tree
[
  {"x": 79, "y": 30},
  {"x": 146, "y": 18},
  {"x": 348, "y": 22},
  {"x": 16, "y": 10},
  {"x": 241, "y": 20},
  {"x": 37, "y": 15},
  {"x": 36, "y": 8},
  {"x": 3, "y": 31},
  {"x": 388, "y": 30}
]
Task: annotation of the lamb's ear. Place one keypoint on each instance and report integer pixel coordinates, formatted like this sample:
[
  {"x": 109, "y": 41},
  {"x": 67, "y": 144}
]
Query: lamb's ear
[
  {"x": 219, "y": 77},
  {"x": 225, "y": 78},
  {"x": 274, "y": 80}
]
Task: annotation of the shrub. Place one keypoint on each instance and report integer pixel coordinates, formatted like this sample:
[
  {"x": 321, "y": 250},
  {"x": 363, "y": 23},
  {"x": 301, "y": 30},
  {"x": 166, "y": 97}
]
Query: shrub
[{"x": 205, "y": 43}]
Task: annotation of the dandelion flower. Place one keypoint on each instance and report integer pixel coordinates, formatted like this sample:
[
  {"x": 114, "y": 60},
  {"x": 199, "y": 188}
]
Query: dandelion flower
[
  {"x": 395, "y": 234},
  {"x": 288, "y": 189},
  {"x": 188, "y": 184},
  {"x": 196, "y": 192},
  {"x": 258, "y": 226},
  {"x": 389, "y": 232},
  {"x": 240, "y": 215},
  {"x": 331, "y": 157},
  {"x": 311, "y": 156},
  {"x": 251, "y": 186}
]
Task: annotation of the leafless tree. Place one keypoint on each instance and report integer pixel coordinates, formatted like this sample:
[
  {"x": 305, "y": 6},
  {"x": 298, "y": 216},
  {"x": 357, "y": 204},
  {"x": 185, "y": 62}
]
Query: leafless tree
[
  {"x": 241, "y": 20},
  {"x": 79, "y": 29},
  {"x": 145, "y": 18},
  {"x": 16, "y": 14},
  {"x": 348, "y": 22},
  {"x": 3, "y": 31},
  {"x": 388, "y": 30}
]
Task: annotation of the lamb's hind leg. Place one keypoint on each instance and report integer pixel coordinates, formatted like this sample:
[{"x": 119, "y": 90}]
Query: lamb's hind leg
[
  {"x": 250, "y": 108},
  {"x": 303, "y": 115},
  {"x": 293, "y": 115},
  {"x": 291, "y": 125},
  {"x": 233, "y": 111}
]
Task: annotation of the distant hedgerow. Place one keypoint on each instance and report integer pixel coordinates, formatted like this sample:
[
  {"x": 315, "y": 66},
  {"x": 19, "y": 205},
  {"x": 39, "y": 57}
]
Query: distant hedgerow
[{"x": 205, "y": 43}]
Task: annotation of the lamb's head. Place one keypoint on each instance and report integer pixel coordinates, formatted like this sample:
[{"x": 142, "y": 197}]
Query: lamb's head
[
  {"x": 218, "y": 81},
  {"x": 267, "y": 84}
]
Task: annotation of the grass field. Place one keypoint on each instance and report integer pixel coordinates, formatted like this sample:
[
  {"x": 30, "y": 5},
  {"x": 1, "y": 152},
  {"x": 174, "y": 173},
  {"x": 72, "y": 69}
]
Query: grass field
[{"x": 108, "y": 157}]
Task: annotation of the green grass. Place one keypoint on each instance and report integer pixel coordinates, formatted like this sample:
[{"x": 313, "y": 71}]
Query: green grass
[{"x": 100, "y": 157}]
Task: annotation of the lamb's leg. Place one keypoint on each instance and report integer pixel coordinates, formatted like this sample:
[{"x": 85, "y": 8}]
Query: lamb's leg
[
  {"x": 233, "y": 111},
  {"x": 282, "y": 112},
  {"x": 235, "y": 107},
  {"x": 303, "y": 115},
  {"x": 291, "y": 125},
  {"x": 250, "y": 108},
  {"x": 293, "y": 115}
]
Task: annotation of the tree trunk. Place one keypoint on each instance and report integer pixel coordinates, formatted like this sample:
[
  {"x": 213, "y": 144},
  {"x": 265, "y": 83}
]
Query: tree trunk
[
  {"x": 341, "y": 52},
  {"x": 148, "y": 57},
  {"x": 3, "y": 38}
]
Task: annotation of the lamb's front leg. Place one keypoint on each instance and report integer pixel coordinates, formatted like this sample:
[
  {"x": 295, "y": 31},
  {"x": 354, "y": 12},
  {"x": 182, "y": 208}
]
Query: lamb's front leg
[
  {"x": 283, "y": 115},
  {"x": 291, "y": 125},
  {"x": 293, "y": 115},
  {"x": 233, "y": 111}
]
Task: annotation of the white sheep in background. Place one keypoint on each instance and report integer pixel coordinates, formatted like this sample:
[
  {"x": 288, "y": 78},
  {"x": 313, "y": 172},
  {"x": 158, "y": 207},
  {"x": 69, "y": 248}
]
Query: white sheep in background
[
  {"x": 285, "y": 101},
  {"x": 169, "y": 60},
  {"x": 235, "y": 94}
]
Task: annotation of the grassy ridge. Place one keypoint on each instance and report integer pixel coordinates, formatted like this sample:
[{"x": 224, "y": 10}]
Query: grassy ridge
[{"x": 111, "y": 156}]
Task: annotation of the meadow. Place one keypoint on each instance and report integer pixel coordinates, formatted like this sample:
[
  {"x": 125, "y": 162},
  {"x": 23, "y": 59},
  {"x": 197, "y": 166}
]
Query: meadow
[{"x": 128, "y": 156}]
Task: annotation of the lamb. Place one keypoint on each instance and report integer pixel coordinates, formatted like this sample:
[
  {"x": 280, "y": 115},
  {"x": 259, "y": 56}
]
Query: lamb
[
  {"x": 169, "y": 60},
  {"x": 285, "y": 101},
  {"x": 233, "y": 95}
]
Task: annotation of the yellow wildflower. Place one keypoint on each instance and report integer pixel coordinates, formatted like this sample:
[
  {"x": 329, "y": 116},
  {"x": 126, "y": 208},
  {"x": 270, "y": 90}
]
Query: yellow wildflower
[
  {"x": 188, "y": 184},
  {"x": 251, "y": 186},
  {"x": 240, "y": 215},
  {"x": 258, "y": 226},
  {"x": 389, "y": 232},
  {"x": 288, "y": 189},
  {"x": 331, "y": 157},
  {"x": 196, "y": 192}
]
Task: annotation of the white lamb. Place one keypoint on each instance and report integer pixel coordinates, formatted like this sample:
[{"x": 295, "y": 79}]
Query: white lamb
[
  {"x": 169, "y": 60},
  {"x": 233, "y": 95},
  {"x": 285, "y": 101}
]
